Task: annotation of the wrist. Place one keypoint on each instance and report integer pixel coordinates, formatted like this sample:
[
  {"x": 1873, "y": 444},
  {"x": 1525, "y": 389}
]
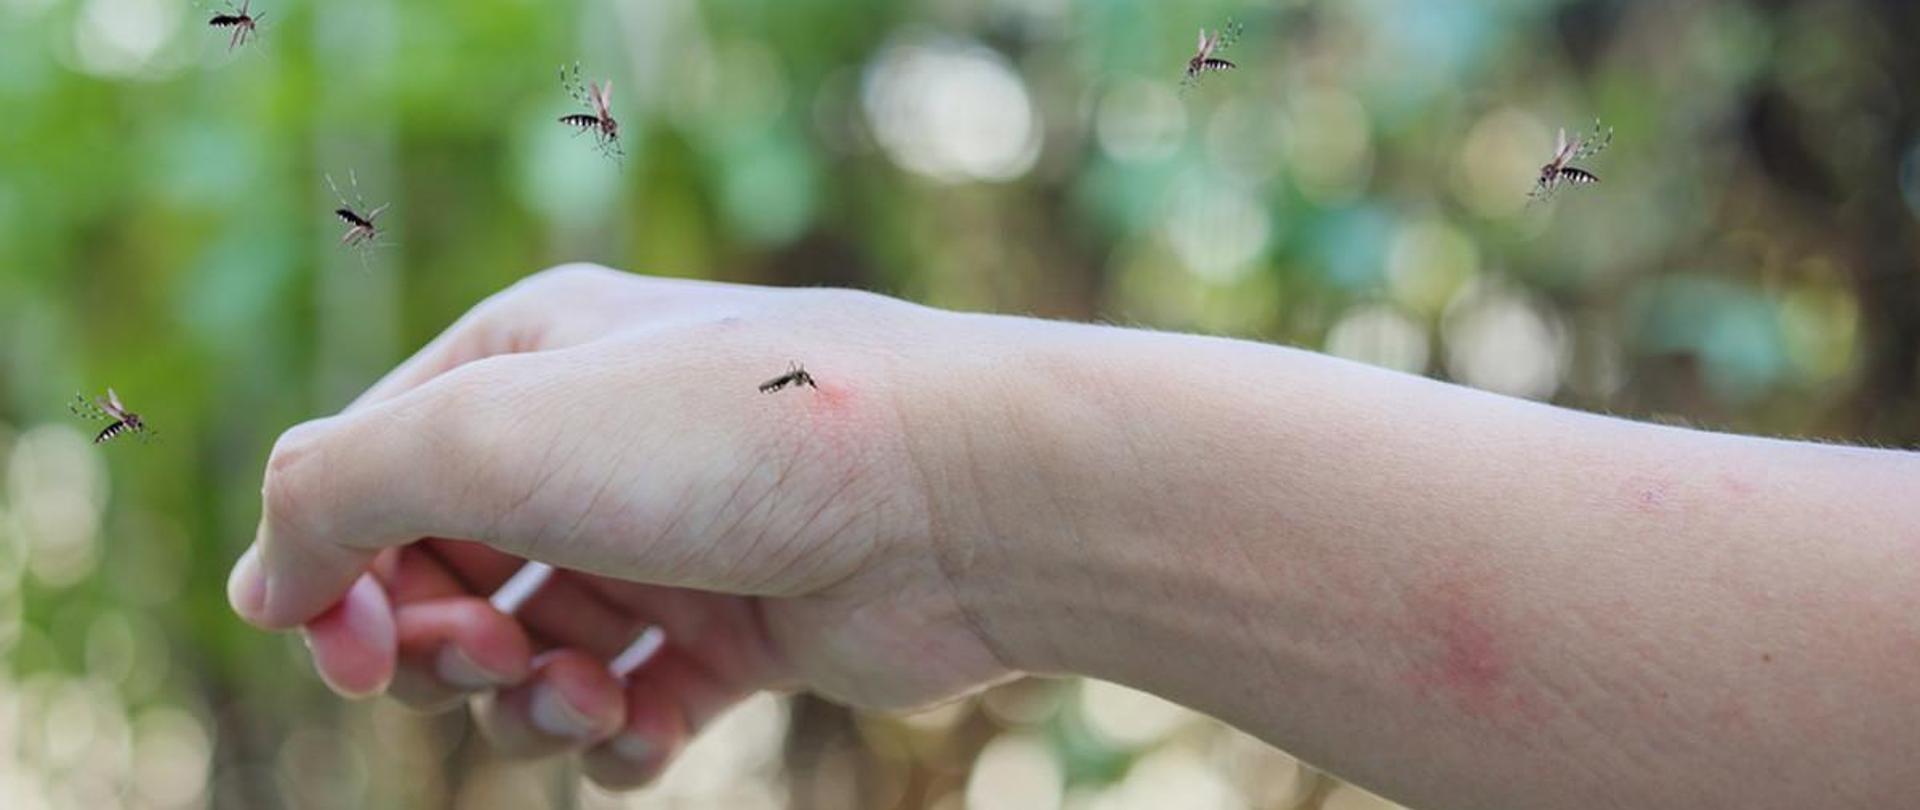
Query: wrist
[{"x": 1042, "y": 501}]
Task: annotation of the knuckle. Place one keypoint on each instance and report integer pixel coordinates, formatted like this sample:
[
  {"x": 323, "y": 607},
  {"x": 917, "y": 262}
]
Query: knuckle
[
  {"x": 288, "y": 490},
  {"x": 467, "y": 415},
  {"x": 565, "y": 278},
  {"x": 543, "y": 288}
]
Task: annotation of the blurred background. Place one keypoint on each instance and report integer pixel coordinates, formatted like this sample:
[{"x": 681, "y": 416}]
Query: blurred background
[{"x": 1359, "y": 186}]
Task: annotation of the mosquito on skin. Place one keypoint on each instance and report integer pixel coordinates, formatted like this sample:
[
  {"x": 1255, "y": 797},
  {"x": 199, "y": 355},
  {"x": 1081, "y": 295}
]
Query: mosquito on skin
[
  {"x": 796, "y": 376},
  {"x": 1205, "y": 60},
  {"x": 362, "y": 231},
  {"x": 597, "y": 98},
  {"x": 1560, "y": 171},
  {"x": 243, "y": 22},
  {"x": 120, "y": 421}
]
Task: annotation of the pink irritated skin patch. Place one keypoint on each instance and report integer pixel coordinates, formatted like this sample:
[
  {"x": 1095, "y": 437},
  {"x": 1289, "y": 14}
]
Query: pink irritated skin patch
[
  {"x": 837, "y": 417},
  {"x": 829, "y": 425},
  {"x": 1465, "y": 654},
  {"x": 833, "y": 398}
]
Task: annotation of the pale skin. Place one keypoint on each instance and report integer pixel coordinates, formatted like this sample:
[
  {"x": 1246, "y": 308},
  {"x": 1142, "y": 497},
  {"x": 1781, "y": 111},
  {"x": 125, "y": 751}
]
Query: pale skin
[{"x": 1455, "y": 599}]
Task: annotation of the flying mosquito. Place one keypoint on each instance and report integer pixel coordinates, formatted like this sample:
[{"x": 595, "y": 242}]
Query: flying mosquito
[
  {"x": 1560, "y": 171},
  {"x": 361, "y": 229},
  {"x": 241, "y": 20},
  {"x": 597, "y": 98},
  {"x": 108, "y": 409},
  {"x": 1205, "y": 60},
  {"x": 796, "y": 376}
]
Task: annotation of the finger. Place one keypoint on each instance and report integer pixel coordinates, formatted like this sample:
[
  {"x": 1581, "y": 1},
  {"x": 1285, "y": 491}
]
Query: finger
[
  {"x": 565, "y": 612},
  {"x": 668, "y": 701},
  {"x": 519, "y": 452},
  {"x": 512, "y": 321},
  {"x": 416, "y": 573},
  {"x": 338, "y": 490},
  {"x": 455, "y": 646},
  {"x": 570, "y": 702},
  {"x": 354, "y": 642},
  {"x": 450, "y": 643},
  {"x": 346, "y": 642}
]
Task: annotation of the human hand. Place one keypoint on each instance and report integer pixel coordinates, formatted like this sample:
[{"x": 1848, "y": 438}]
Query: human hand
[{"x": 609, "y": 424}]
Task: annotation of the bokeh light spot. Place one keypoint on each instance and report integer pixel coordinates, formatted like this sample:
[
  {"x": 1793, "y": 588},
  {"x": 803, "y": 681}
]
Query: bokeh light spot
[
  {"x": 122, "y": 37},
  {"x": 1380, "y": 335},
  {"x": 1216, "y": 226},
  {"x": 1329, "y": 145},
  {"x": 1139, "y": 121},
  {"x": 951, "y": 110},
  {"x": 1015, "y": 772},
  {"x": 1129, "y": 718},
  {"x": 1502, "y": 342},
  {"x": 1499, "y": 162}
]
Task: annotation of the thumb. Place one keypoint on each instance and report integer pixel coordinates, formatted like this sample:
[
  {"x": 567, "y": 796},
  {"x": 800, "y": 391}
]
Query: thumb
[{"x": 436, "y": 461}]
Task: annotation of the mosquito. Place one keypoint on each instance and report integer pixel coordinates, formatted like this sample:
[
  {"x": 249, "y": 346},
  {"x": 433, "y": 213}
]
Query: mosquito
[
  {"x": 598, "y": 99},
  {"x": 796, "y": 376},
  {"x": 241, "y": 20},
  {"x": 108, "y": 409},
  {"x": 1204, "y": 59},
  {"x": 1561, "y": 171},
  {"x": 361, "y": 229}
]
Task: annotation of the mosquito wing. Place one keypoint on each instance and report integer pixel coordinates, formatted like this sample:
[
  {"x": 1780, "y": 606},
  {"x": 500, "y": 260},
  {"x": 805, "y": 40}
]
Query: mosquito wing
[
  {"x": 602, "y": 98},
  {"x": 112, "y": 405}
]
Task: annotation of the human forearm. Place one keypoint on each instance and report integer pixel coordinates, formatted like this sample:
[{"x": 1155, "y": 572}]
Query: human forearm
[{"x": 1460, "y": 599}]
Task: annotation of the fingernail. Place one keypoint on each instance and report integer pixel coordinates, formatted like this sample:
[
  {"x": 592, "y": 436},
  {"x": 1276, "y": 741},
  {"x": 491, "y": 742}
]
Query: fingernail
[
  {"x": 633, "y": 748},
  {"x": 368, "y": 614},
  {"x": 247, "y": 585},
  {"x": 454, "y": 667},
  {"x": 552, "y": 714},
  {"x": 345, "y": 690}
]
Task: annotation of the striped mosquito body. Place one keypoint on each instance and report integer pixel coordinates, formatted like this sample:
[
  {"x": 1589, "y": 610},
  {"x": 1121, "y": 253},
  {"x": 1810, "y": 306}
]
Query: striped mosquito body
[
  {"x": 1576, "y": 176},
  {"x": 1560, "y": 171},
  {"x": 362, "y": 228},
  {"x": 796, "y": 376},
  {"x": 243, "y": 22},
  {"x": 1205, "y": 58},
  {"x": 582, "y": 122},
  {"x": 599, "y": 120},
  {"x": 120, "y": 421},
  {"x": 118, "y": 429}
]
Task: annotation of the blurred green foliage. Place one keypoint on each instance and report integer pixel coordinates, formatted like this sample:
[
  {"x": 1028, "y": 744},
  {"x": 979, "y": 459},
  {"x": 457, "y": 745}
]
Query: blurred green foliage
[{"x": 1359, "y": 185}]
